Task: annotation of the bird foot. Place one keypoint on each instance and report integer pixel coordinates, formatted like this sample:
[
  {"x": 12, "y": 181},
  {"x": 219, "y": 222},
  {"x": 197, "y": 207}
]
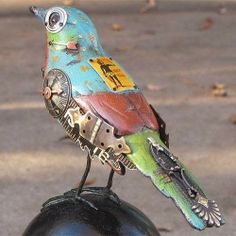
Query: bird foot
[
  {"x": 52, "y": 201},
  {"x": 79, "y": 198},
  {"x": 67, "y": 196},
  {"x": 104, "y": 191}
]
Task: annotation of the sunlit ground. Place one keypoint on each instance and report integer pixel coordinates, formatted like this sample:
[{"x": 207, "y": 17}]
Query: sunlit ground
[{"x": 175, "y": 61}]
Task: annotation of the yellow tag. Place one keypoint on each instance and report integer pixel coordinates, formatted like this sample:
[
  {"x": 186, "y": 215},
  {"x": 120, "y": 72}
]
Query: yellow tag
[{"x": 115, "y": 78}]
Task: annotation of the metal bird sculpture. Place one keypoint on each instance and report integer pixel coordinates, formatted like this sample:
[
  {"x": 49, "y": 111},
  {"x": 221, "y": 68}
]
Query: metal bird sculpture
[{"x": 102, "y": 109}]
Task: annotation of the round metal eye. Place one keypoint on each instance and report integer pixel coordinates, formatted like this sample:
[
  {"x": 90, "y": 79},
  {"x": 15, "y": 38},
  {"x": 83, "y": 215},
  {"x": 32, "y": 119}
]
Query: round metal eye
[{"x": 55, "y": 19}]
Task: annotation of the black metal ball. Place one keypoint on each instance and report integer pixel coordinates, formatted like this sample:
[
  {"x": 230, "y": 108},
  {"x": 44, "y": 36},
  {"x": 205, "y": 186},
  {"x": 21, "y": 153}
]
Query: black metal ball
[{"x": 70, "y": 217}]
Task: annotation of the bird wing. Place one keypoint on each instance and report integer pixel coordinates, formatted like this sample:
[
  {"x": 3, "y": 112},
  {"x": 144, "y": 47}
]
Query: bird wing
[{"x": 128, "y": 113}]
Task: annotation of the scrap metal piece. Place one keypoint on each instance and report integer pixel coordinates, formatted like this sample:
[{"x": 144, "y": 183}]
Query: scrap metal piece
[
  {"x": 163, "y": 157},
  {"x": 128, "y": 113},
  {"x": 162, "y": 127},
  {"x": 201, "y": 206},
  {"x": 120, "y": 159},
  {"x": 97, "y": 131},
  {"x": 73, "y": 132},
  {"x": 112, "y": 74},
  {"x": 172, "y": 168},
  {"x": 97, "y": 137},
  {"x": 105, "y": 156},
  {"x": 56, "y": 92},
  {"x": 208, "y": 210}
]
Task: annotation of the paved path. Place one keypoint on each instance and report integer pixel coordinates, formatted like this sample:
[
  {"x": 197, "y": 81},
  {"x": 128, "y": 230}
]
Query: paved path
[{"x": 164, "y": 48}]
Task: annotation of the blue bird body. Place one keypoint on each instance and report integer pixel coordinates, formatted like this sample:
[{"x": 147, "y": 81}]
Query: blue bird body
[{"x": 84, "y": 79}]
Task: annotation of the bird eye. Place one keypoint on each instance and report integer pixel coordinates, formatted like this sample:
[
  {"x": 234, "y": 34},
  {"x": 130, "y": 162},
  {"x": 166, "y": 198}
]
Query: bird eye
[{"x": 55, "y": 19}]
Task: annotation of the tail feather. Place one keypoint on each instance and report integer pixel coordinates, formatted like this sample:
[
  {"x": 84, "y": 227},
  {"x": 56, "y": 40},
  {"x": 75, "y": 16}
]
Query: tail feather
[{"x": 171, "y": 177}]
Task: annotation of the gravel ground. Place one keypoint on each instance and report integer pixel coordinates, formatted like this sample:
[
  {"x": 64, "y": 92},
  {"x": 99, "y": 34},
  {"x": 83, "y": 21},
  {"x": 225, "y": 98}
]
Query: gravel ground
[{"x": 175, "y": 55}]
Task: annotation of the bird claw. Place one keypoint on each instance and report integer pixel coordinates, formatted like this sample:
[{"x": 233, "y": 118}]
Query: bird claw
[
  {"x": 67, "y": 196},
  {"x": 73, "y": 194},
  {"x": 52, "y": 201},
  {"x": 103, "y": 191},
  {"x": 79, "y": 198}
]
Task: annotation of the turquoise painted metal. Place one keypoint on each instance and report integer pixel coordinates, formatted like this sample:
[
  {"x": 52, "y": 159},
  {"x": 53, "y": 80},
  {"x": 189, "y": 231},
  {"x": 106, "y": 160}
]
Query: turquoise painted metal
[
  {"x": 103, "y": 110},
  {"x": 79, "y": 29}
]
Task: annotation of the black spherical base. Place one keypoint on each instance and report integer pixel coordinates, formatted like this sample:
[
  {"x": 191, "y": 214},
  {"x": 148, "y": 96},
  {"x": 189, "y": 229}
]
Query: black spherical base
[{"x": 95, "y": 214}]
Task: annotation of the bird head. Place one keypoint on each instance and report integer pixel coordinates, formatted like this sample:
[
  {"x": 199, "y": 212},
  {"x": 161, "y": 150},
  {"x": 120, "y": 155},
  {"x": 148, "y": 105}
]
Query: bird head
[{"x": 69, "y": 29}]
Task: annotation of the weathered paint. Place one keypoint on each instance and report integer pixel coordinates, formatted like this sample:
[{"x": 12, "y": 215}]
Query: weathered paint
[
  {"x": 70, "y": 50},
  {"x": 79, "y": 28},
  {"x": 128, "y": 113},
  {"x": 143, "y": 160}
]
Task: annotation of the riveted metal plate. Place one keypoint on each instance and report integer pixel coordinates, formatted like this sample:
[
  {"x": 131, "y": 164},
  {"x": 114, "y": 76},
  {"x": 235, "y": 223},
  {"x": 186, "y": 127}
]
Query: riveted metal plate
[
  {"x": 97, "y": 131},
  {"x": 56, "y": 92},
  {"x": 89, "y": 131}
]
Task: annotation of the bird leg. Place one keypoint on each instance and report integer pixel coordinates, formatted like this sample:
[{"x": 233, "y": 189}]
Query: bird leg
[
  {"x": 84, "y": 177},
  {"x": 110, "y": 179},
  {"x": 106, "y": 191},
  {"x": 80, "y": 188},
  {"x": 76, "y": 193}
]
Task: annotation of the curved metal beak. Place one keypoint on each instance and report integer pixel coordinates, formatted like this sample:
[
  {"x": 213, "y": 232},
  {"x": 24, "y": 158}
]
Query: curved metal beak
[{"x": 39, "y": 12}]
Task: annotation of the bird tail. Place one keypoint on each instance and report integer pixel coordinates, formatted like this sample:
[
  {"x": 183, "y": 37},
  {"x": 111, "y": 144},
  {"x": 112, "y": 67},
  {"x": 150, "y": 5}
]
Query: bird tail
[{"x": 172, "y": 178}]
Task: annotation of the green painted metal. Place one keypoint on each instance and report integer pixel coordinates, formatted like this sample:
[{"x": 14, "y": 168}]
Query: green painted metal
[{"x": 144, "y": 161}]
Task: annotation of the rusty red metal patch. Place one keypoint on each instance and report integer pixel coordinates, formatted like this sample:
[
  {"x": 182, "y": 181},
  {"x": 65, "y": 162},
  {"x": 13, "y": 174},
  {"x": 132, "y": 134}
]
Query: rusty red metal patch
[{"x": 127, "y": 113}]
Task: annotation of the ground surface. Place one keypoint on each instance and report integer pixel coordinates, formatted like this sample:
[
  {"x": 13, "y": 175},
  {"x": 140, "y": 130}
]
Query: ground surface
[{"x": 165, "y": 48}]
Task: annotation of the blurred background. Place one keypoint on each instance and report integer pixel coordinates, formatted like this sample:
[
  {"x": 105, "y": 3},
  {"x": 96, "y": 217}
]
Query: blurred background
[{"x": 183, "y": 56}]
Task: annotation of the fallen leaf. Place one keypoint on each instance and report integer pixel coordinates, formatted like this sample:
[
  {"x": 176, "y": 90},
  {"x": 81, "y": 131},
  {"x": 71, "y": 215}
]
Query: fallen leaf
[
  {"x": 207, "y": 24},
  {"x": 68, "y": 2},
  {"x": 119, "y": 49},
  {"x": 218, "y": 86},
  {"x": 233, "y": 119},
  {"x": 218, "y": 90},
  {"x": 153, "y": 87},
  {"x": 222, "y": 10},
  {"x": 88, "y": 182},
  {"x": 117, "y": 27},
  {"x": 149, "y": 5},
  {"x": 166, "y": 230}
]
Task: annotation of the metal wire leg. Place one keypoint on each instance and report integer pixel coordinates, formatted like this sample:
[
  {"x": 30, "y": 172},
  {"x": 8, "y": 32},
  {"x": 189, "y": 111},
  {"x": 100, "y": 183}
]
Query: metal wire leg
[
  {"x": 110, "y": 179},
  {"x": 84, "y": 177}
]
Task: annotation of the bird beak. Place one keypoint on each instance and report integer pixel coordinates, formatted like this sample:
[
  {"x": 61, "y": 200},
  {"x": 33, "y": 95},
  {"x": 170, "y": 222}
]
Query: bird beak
[{"x": 39, "y": 12}]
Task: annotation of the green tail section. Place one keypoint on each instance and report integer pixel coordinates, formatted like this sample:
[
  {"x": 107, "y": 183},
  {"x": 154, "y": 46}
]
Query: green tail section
[{"x": 196, "y": 215}]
